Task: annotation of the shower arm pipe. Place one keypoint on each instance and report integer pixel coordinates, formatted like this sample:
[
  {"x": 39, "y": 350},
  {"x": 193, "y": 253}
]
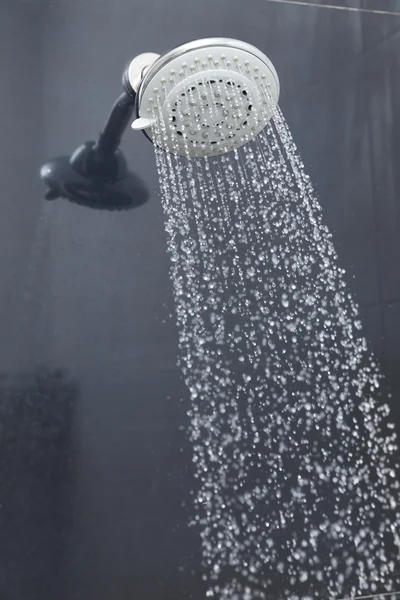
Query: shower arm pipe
[
  {"x": 120, "y": 116},
  {"x": 124, "y": 107}
]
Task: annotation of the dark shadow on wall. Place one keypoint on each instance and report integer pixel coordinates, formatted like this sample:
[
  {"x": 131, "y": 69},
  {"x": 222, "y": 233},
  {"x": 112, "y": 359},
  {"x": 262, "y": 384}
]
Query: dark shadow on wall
[{"x": 36, "y": 482}]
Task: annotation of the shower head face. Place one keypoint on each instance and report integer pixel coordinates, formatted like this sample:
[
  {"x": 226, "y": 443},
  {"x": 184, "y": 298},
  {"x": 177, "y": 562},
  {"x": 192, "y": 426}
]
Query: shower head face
[{"x": 207, "y": 97}]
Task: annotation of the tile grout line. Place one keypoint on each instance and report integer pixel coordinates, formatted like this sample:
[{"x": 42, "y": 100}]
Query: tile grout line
[
  {"x": 370, "y": 11},
  {"x": 376, "y": 228},
  {"x": 377, "y": 236}
]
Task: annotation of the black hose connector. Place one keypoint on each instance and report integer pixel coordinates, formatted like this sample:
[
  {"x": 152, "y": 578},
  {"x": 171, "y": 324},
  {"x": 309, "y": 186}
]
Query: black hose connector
[{"x": 96, "y": 175}]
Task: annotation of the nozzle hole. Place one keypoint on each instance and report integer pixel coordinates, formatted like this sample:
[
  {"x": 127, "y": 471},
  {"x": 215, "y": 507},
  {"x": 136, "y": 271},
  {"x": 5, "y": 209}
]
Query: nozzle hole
[
  {"x": 179, "y": 133},
  {"x": 244, "y": 92},
  {"x": 250, "y": 107}
]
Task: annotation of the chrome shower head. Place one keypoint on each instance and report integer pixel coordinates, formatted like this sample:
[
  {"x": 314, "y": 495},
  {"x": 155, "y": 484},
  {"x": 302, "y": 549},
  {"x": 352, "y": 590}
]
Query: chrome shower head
[{"x": 204, "y": 98}]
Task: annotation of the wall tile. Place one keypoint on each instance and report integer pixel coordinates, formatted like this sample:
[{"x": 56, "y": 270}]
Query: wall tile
[{"x": 382, "y": 77}]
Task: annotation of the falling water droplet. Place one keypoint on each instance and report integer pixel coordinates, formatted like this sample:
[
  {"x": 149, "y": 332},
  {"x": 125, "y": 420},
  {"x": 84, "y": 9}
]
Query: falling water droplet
[{"x": 295, "y": 459}]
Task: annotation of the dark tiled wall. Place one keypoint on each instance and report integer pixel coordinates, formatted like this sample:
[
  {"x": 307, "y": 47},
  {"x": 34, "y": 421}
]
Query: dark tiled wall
[
  {"x": 21, "y": 130},
  {"x": 99, "y": 300}
]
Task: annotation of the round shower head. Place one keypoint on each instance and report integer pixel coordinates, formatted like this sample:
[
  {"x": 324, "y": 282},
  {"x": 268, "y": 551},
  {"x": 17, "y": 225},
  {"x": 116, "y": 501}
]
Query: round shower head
[{"x": 207, "y": 97}]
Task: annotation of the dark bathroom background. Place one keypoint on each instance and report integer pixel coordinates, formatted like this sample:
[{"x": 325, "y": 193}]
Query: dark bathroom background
[{"x": 94, "y": 466}]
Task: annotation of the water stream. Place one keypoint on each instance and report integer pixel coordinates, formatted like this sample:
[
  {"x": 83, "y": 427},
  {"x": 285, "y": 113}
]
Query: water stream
[{"x": 295, "y": 456}]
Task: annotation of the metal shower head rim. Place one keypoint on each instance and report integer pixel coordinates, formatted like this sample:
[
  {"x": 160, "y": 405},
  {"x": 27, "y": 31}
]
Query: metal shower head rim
[
  {"x": 200, "y": 44},
  {"x": 169, "y": 97}
]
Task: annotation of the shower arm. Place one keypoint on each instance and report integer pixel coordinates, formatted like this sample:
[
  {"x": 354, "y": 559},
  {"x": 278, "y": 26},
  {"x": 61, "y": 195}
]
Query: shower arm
[
  {"x": 120, "y": 116},
  {"x": 96, "y": 174},
  {"x": 121, "y": 113}
]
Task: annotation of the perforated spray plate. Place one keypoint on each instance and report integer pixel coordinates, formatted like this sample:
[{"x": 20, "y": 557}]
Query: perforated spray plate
[{"x": 207, "y": 97}]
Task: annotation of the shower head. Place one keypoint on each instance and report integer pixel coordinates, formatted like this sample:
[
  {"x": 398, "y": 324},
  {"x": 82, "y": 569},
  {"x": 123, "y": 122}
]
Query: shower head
[{"x": 204, "y": 98}]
